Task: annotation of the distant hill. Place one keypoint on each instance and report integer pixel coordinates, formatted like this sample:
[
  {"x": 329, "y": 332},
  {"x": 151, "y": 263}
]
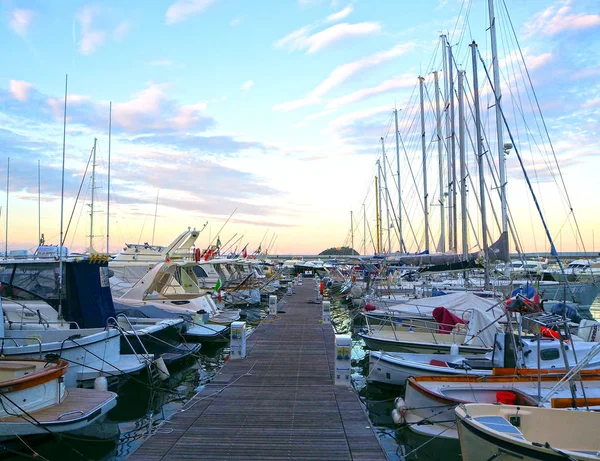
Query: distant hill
[{"x": 339, "y": 251}]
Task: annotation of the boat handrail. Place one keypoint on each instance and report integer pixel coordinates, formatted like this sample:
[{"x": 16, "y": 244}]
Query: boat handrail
[
  {"x": 115, "y": 324},
  {"x": 3, "y": 338}
]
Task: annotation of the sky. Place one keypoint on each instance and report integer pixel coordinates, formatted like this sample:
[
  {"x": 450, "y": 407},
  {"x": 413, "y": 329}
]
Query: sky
[{"x": 261, "y": 121}]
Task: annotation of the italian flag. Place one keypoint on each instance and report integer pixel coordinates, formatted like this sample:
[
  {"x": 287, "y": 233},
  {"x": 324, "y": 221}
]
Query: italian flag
[{"x": 218, "y": 285}]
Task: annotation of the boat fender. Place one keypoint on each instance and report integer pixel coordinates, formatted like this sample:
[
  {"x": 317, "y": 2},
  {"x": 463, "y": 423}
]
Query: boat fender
[
  {"x": 399, "y": 412},
  {"x": 163, "y": 372},
  {"x": 454, "y": 350},
  {"x": 101, "y": 384},
  {"x": 197, "y": 255}
]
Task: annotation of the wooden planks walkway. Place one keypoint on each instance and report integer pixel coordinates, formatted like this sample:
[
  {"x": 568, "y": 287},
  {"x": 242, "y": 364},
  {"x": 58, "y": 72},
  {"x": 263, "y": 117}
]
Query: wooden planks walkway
[{"x": 279, "y": 403}]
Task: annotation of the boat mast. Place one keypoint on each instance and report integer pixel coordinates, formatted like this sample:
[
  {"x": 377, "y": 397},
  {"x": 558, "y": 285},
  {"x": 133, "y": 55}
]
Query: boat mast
[
  {"x": 424, "y": 153},
  {"x": 108, "y": 184},
  {"x": 448, "y": 134},
  {"x": 351, "y": 231},
  {"x": 62, "y": 204},
  {"x": 6, "y": 211},
  {"x": 387, "y": 205},
  {"x": 39, "y": 206},
  {"x": 463, "y": 163},
  {"x": 364, "y": 230},
  {"x": 400, "y": 238},
  {"x": 377, "y": 199},
  {"x": 438, "y": 119},
  {"x": 91, "y": 247},
  {"x": 452, "y": 163},
  {"x": 498, "y": 94},
  {"x": 486, "y": 276}
]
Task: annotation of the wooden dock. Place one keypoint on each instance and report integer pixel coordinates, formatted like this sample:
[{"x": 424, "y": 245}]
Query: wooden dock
[{"x": 280, "y": 403}]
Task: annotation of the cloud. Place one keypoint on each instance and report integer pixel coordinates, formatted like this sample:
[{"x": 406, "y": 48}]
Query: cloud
[
  {"x": 149, "y": 110},
  {"x": 121, "y": 30},
  {"x": 20, "y": 89},
  {"x": 347, "y": 120},
  {"x": 183, "y": 9},
  {"x": 161, "y": 63},
  {"x": 342, "y": 73},
  {"x": 340, "y": 14},
  {"x": 91, "y": 39},
  {"x": 302, "y": 39},
  {"x": 235, "y": 22},
  {"x": 559, "y": 18},
  {"x": 247, "y": 86},
  {"x": 20, "y": 20},
  {"x": 202, "y": 144},
  {"x": 384, "y": 87}
]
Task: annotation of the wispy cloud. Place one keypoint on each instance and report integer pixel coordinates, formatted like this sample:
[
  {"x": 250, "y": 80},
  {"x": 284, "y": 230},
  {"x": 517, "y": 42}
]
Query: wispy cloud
[
  {"x": 384, "y": 87},
  {"x": 183, "y": 9},
  {"x": 20, "y": 89},
  {"x": 20, "y": 20},
  {"x": 342, "y": 73},
  {"x": 91, "y": 39},
  {"x": 340, "y": 14},
  {"x": 247, "y": 86},
  {"x": 121, "y": 30},
  {"x": 304, "y": 39},
  {"x": 235, "y": 22},
  {"x": 559, "y": 18}
]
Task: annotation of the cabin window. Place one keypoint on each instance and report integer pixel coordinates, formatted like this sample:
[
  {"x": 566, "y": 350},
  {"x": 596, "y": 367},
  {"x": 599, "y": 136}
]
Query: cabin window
[
  {"x": 200, "y": 272},
  {"x": 550, "y": 354}
]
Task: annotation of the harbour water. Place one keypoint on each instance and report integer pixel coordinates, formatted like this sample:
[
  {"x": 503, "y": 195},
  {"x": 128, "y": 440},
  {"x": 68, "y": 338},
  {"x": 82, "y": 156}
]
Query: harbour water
[{"x": 143, "y": 406}]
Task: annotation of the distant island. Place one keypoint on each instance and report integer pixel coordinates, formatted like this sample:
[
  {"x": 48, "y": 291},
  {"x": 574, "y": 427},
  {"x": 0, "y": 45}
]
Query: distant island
[{"x": 338, "y": 251}]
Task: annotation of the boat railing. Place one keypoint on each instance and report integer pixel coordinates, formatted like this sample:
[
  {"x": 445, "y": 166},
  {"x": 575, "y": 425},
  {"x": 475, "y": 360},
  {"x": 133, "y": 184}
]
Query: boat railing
[
  {"x": 112, "y": 321},
  {"x": 32, "y": 338}
]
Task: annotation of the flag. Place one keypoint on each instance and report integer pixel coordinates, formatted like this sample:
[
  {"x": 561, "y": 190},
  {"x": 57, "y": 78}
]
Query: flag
[
  {"x": 259, "y": 249},
  {"x": 218, "y": 242},
  {"x": 217, "y": 285},
  {"x": 244, "y": 252}
]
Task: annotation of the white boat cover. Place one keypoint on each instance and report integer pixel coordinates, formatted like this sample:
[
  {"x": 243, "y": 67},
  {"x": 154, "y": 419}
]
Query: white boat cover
[{"x": 462, "y": 304}]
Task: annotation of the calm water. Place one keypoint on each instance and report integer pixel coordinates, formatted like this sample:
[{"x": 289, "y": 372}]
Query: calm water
[{"x": 142, "y": 406}]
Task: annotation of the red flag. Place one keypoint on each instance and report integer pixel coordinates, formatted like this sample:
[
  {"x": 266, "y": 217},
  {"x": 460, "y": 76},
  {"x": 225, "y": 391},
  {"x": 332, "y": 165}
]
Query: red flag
[{"x": 245, "y": 253}]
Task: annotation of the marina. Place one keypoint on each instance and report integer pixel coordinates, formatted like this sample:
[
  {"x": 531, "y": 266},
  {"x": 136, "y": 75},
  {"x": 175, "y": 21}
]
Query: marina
[{"x": 303, "y": 230}]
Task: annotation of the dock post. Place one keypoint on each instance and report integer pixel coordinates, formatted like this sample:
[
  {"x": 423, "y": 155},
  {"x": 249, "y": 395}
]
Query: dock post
[
  {"x": 272, "y": 305},
  {"x": 343, "y": 348},
  {"x": 238, "y": 340},
  {"x": 326, "y": 311}
]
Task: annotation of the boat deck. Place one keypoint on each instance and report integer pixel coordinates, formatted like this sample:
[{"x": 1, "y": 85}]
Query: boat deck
[{"x": 280, "y": 403}]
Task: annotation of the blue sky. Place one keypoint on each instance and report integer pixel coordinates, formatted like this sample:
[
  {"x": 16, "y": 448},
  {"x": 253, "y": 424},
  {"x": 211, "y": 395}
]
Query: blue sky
[{"x": 275, "y": 109}]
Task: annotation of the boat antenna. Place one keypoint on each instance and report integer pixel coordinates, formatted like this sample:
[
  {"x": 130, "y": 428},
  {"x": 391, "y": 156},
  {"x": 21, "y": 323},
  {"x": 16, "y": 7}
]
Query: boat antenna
[
  {"x": 221, "y": 229},
  {"x": 108, "y": 185},
  {"x": 155, "y": 213},
  {"x": 62, "y": 200},
  {"x": 6, "y": 211}
]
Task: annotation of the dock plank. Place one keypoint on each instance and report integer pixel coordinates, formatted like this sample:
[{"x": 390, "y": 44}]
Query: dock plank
[{"x": 280, "y": 403}]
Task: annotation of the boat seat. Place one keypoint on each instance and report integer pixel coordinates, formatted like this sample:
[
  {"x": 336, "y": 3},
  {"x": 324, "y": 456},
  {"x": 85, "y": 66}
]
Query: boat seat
[
  {"x": 498, "y": 423},
  {"x": 16, "y": 366}
]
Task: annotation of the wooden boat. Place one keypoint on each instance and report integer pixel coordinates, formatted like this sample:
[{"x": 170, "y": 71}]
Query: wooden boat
[
  {"x": 35, "y": 400},
  {"x": 527, "y": 433},
  {"x": 429, "y": 402}
]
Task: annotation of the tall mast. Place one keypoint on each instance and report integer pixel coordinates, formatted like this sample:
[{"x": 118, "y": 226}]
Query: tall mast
[
  {"x": 400, "y": 237},
  {"x": 463, "y": 162},
  {"x": 108, "y": 183},
  {"x": 364, "y": 229},
  {"x": 452, "y": 163},
  {"x": 424, "y": 153},
  {"x": 448, "y": 134},
  {"x": 480, "y": 164},
  {"x": 386, "y": 195},
  {"x": 498, "y": 92},
  {"x": 351, "y": 231},
  {"x": 438, "y": 119},
  {"x": 6, "y": 211},
  {"x": 91, "y": 247},
  {"x": 62, "y": 205},
  {"x": 377, "y": 199},
  {"x": 39, "y": 205}
]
